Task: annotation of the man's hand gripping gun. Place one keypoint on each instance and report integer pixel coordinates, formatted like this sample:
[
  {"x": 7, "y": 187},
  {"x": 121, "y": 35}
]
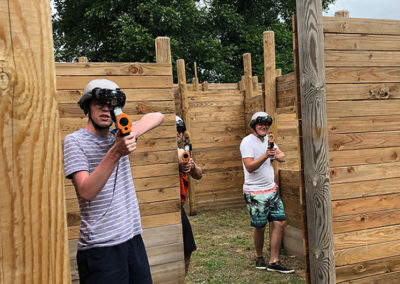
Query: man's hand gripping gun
[{"x": 271, "y": 142}]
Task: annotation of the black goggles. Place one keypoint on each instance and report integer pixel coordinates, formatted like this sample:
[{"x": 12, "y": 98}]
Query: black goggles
[
  {"x": 114, "y": 98},
  {"x": 264, "y": 120},
  {"x": 180, "y": 127}
]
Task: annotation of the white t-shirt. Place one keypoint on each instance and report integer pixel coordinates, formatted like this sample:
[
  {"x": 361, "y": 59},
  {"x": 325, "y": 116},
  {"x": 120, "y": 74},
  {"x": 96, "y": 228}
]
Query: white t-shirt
[{"x": 262, "y": 178}]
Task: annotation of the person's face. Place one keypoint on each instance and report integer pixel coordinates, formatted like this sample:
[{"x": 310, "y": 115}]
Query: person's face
[
  {"x": 100, "y": 113},
  {"x": 262, "y": 128},
  {"x": 179, "y": 136}
]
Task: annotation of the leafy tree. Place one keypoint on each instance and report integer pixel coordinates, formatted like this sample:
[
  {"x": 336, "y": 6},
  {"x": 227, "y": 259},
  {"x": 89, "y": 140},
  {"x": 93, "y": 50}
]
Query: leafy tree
[{"x": 214, "y": 33}]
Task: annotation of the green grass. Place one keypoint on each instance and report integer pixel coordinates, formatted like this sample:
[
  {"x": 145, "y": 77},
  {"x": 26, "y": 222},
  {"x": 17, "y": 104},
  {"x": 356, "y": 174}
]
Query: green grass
[{"x": 225, "y": 251}]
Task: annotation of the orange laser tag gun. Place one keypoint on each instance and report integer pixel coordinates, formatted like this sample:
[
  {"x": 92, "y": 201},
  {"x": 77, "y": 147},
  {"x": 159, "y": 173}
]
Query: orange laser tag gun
[
  {"x": 187, "y": 149},
  {"x": 271, "y": 140},
  {"x": 122, "y": 121}
]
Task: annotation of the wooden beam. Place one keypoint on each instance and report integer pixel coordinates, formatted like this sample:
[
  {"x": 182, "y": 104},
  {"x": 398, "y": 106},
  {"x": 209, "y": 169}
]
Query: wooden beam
[
  {"x": 33, "y": 232},
  {"x": 248, "y": 81},
  {"x": 163, "y": 50},
  {"x": 185, "y": 113},
  {"x": 342, "y": 14},
  {"x": 314, "y": 130}
]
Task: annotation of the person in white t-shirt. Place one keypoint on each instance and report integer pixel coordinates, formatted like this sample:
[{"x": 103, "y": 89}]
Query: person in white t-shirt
[{"x": 260, "y": 191}]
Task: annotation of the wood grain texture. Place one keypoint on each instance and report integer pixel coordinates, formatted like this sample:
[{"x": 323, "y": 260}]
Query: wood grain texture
[
  {"x": 315, "y": 140},
  {"x": 362, "y": 26},
  {"x": 33, "y": 233}
]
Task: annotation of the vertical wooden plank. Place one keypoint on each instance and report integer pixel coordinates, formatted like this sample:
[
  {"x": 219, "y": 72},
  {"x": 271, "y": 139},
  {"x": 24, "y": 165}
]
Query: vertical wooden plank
[
  {"x": 163, "y": 50},
  {"x": 248, "y": 81},
  {"x": 185, "y": 113},
  {"x": 270, "y": 84},
  {"x": 195, "y": 79},
  {"x": 315, "y": 144},
  {"x": 33, "y": 233},
  {"x": 83, "y": 59},
  {"x": 342, "y": 14}
]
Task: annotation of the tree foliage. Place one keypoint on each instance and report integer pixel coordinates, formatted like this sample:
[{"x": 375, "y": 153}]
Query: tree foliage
[{"x": 214, "y": 33}]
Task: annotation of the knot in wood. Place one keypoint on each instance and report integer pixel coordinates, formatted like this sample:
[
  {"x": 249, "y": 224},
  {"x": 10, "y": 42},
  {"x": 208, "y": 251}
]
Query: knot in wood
[
  {"x": 360, "y": 268},
  {"x": 141, "y": 109},
  {"x": 4, "y": 80},
  {"x": 135, "y": 69},
  {"x": 350, "y": 170},
  {"x": 380, "y": 93}
]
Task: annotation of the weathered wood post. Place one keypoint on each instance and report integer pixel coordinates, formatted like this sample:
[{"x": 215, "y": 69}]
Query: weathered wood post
[
  {"x": 195, "y": 80},
  {"x": 163, "y": 50},
  {"x": 342, "y": 14},
  {"x": 185, "y": 113},
  {"x": 33, "y": 231},
  {"x": 248, "y": 80},
  {"x": 315, "y": 160}
]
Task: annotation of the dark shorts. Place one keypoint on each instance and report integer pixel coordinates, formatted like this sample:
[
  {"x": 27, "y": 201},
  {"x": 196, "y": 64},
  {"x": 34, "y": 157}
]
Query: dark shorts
[
  {"x": 123, "y": 263},
  {"x": 265, "y": 207},
  {"x": 189, "y": 244}
]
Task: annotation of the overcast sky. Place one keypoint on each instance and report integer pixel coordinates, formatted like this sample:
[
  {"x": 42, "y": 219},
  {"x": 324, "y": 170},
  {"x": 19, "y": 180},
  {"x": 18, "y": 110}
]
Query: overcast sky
[{"x": 376, "y": 9}]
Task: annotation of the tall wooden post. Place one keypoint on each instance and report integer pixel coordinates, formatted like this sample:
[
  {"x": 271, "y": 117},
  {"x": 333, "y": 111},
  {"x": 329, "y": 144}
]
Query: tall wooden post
[
  {"x": 33, "y": 231},
  {"x": 185, "y": 115},
  {"x": 248, "y": 80},
  {"x": 195, "y": 79},
  {"x": 163, "y": 50},
  {"x": 315, "y": 160},
  {"x": 270, "y": 85}
]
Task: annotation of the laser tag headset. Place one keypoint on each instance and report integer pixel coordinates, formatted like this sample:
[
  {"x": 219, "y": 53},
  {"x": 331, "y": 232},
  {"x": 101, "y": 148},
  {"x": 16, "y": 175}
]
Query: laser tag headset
[
  {"x": 180, "y": 125},
  {"x": 262, "y": 118},
  {"x": 103, "y": 90}
]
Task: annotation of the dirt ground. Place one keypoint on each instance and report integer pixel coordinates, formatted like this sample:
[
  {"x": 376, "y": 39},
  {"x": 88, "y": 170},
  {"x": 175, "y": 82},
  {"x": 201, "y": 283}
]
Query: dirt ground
[{"x": 225, "y": 251}]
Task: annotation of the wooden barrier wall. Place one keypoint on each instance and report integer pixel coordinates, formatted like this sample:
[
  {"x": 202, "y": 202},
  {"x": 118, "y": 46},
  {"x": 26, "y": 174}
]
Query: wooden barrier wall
[
  {"x": 362, "y": 67},
  {"x": 33, "y": 231},
  {"x": 149, "y": 88},
  {"x": 362, "y": 61}
]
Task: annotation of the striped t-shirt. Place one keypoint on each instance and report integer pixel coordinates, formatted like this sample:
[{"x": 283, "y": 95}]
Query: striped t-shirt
[{"x": 113, "y": 217}]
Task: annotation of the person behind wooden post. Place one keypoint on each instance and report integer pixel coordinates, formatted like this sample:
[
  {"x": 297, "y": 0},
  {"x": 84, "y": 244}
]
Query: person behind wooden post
[
  {"x": 195, "y": 172},
  {"x": 110, "y": 246},
  {"x": 260, "y": 191}
]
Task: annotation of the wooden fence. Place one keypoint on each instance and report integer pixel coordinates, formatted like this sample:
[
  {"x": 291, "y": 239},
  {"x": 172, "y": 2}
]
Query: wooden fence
[{"x": 149, "y": 88}]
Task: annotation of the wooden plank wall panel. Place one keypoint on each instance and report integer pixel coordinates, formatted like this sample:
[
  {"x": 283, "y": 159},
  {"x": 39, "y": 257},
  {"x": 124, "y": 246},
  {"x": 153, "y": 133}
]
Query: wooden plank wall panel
[
  {"x": 149, "y": 88},
  {"x": 217, "y": 128},
  {"x": 362, "y": 60},
  {"x": 289, "y": 171}
]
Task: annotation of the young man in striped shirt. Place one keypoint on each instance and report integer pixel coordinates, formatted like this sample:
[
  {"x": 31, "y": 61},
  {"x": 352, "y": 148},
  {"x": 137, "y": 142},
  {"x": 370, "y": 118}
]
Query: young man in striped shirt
[
  {"x": 261, "y": 192},
  {"x": 110, "y": 247}
]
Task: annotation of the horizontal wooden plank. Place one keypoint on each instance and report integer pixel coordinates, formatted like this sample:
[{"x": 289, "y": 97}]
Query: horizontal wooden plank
[
  {"x": 362, "y": 74},
  {"x": 160, "y": 207},
  {"x": 368, "y": 236},
  {"x": 367, "y": 220},
  {"x": 361, "y": 58},
  {"x": 363, "y": 156},
  {"x": 113, "y": 69},
  {"x": 132, "y": 95},
  {"x": 365, "y": 204},
  {"x": 360, "y": 25},
  {"x": 364, "y": 172},
  {"x": 387, "y": 278},
  {"x": 165, "y": 254},
  {"x": 155, "y": 195},
  {"x": 131, "y": 108},
  {"x": 353, "y": 141},
  {"x": 364, "y": 188},
  {"x": 155, "y": 157},
  {"x": 124, "y": 82},
  {"x": 364, "y": 124},
  {"x": 362, "y": 91},
  {"x": 154, "y": 170},
  {"x": 367, "y": 252},
  {"x": 165, "y": 235},
  {"x": 166, "y": 219},
  {"x": 168, "y": 273},
  {"x": 361, "y": 42},
  {"x": 157, "y": 182},
  {"x": 367, "y": 268}
]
